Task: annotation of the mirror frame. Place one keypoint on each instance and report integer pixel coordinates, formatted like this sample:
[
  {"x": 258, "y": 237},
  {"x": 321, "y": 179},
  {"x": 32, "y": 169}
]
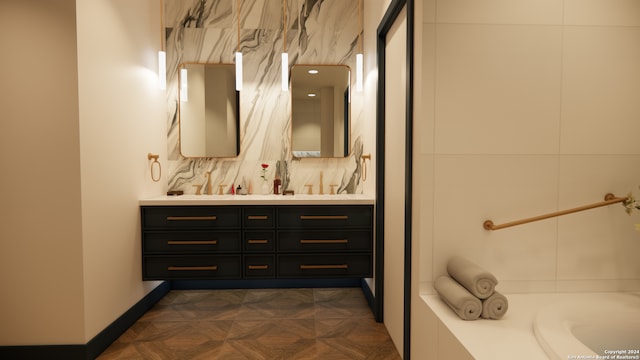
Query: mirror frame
[
  {"x": 179, "y": 115},
  {"x": 347, "y": 150}
]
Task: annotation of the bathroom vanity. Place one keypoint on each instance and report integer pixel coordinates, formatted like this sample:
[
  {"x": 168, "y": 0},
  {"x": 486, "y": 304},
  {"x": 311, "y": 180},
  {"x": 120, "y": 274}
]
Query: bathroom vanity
[{"x": 257, "y": 237}]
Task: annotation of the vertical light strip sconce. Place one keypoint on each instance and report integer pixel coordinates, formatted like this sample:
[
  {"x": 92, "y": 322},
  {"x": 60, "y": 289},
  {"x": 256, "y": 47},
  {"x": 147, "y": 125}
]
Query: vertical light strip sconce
[
  {"x": 285, "y": 56},
  {"x": 162, "y": 55},
  {"x": 238, "y": 71},
  {"x": 349, "y": 82},
  {"x": 162, "y": 70},
  {"x": 239, "y": 79},
  {"x": 359, "y": 72},
  {"x": 359, "y": 55},
  {"x": 184, "y": 85},
  {"x": 285, "y": 71}
]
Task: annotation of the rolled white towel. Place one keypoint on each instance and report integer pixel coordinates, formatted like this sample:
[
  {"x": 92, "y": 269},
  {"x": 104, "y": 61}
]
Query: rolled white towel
[
  {"x": 461, "y": 301},
  {"x": 495, "y": 306},
  {"x": 477, "y": 280}
]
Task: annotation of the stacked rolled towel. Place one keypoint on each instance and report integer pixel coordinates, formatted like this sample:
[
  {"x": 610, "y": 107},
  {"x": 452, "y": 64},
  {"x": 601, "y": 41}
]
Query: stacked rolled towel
[
  {"x": 495, "y": 306},
  {"x": 477, "y": 280},
  {"x": 467, "y": 306},
  {"x": 469, "y": 282}
]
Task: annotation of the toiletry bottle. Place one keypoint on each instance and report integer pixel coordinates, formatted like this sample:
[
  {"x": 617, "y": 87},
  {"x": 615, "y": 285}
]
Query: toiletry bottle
[{"x": 277, "y": 183}]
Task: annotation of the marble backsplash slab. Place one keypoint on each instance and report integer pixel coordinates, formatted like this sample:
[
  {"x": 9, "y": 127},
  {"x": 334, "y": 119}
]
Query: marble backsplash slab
[{"x": 318, "y": 32}]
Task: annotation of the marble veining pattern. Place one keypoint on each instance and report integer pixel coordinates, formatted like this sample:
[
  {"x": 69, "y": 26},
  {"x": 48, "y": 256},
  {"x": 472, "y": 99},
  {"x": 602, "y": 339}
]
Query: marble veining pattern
[{"x": 318, "y": 32}]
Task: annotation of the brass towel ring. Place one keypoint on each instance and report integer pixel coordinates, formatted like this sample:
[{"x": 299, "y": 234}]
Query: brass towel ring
[{"x": 154, "y": 157}]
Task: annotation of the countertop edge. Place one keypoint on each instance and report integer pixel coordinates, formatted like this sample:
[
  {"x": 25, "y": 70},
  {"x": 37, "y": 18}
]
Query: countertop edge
[{"x": 203, "y": 200}]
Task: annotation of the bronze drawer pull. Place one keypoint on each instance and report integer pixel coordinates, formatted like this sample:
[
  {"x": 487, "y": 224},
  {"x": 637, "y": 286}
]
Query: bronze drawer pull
[
  {"x": 257, "y": 217},
  {"x": 192, "y": 268},
  {"x": 258, "y": 241},
  {"x": 258, "y": 267},
  {"x": 329, "y": 241},
  {"x": 192, "y": 242},
  {"x": 173, "y": 218},
  {"x": 315, "y": 267},
  {"x": 324, "y": 217}
]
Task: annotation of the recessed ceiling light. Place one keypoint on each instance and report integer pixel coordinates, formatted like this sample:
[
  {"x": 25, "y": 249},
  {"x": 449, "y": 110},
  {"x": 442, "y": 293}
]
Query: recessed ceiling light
[
  {"x": 311, "y": 94},
  {"x": 313, "y": 71}
]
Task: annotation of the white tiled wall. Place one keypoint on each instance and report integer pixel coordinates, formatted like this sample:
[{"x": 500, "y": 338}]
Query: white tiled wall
[
  {"x": 497, "y": 89},
  {"x": 601, "y": 89},
  {"x": 602, "y": 12},
  {"x": 523, "y": 108},
  {"x": 528, "y": 107},
  {"x": 499, "y": 11}
]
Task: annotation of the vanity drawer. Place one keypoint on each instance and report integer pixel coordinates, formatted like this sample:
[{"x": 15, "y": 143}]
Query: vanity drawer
[
  {"x": 259, "y": 241},
  {"x": 258, "y": 217},
  {"x": 324, "y": 240},
  {"x": 192, "y": 267},
  {"x": 189, "y": 241},
  {"x": 324, "y": 265},
  {"x": 325, "y": 216},
  {"x": 191, "y": 217},
  {"x": 259, "y": 266}
]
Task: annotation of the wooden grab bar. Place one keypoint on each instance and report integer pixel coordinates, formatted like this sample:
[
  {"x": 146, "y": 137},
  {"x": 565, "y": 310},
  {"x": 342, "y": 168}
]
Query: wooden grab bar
[{"x": 608, "y": 200}]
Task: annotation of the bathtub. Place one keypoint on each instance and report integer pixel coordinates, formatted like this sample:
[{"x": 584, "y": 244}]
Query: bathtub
[{"x": 590, "y": 326}]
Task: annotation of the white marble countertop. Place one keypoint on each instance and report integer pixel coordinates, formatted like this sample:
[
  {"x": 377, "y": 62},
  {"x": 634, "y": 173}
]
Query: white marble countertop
[{"x": 340, "y": 199}]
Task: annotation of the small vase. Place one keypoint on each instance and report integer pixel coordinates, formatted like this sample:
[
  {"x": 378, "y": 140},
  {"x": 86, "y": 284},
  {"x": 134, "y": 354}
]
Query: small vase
[{"x": 266, "y": 189}]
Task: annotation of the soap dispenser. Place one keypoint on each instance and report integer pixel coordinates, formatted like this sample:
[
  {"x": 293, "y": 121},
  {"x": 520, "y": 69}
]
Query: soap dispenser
[{"x": 277, "y": 184}]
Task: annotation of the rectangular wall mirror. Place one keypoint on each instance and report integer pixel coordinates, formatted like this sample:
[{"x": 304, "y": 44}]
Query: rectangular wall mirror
[
  {"x": 320, "y": 110},
  {"x": 208, "y": 110}
]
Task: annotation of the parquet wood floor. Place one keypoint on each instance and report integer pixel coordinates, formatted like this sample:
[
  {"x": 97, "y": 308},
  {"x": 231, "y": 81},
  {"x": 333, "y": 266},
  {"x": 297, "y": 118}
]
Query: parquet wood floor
[{"x": 270, "y": 324}]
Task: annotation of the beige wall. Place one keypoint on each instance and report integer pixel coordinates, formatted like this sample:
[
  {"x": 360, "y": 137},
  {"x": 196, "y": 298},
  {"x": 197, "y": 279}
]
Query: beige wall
[
  {"x": 121, "y": 120},
  {"x": 525, "y": 108},
  {"x": 40, "y": 226},
  {"x": 82, "y": 110},
  {"x": 372, "y": 13}
]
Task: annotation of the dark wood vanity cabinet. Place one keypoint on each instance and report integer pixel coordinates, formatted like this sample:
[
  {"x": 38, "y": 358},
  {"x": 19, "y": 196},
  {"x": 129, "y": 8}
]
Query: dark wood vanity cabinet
[
  {"x": 181, "y": 242},
  {"x": 257, "y": 242},
  {"x": 325, "y": 241}
]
